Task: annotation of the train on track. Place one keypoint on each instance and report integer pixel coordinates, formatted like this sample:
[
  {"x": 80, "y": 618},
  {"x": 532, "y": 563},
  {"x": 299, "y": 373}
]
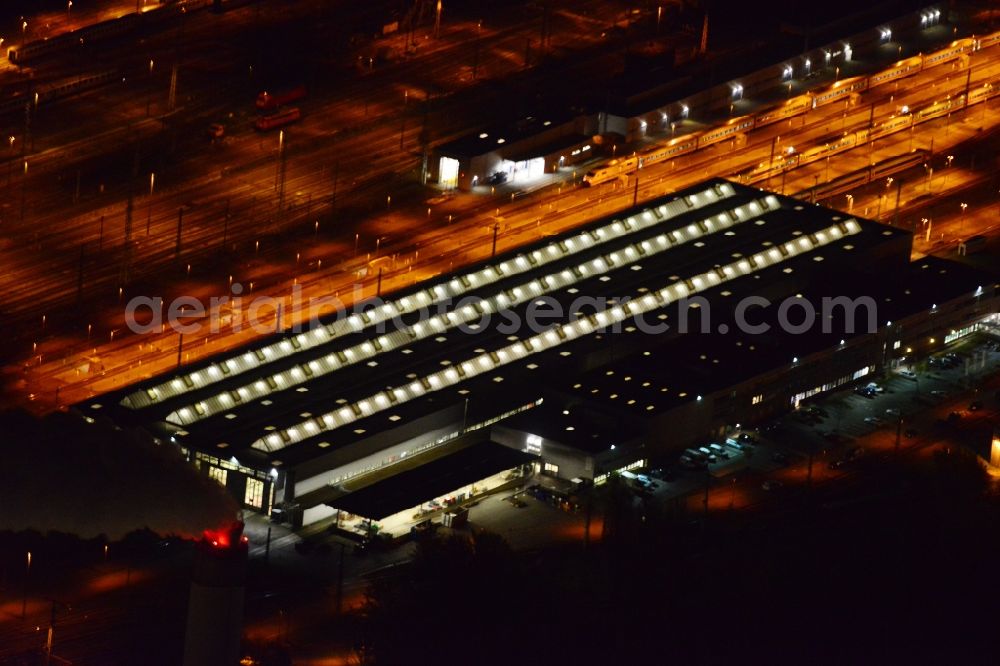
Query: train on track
[
  {"x": 841, "y": 90},
  {"x": 791, "y": 160},
  {"x": 851, "y": 181},
  {"x": 51, "y": 91}
]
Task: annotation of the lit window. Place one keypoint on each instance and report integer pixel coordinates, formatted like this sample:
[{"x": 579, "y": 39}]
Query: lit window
[
  {"x": 254, "y": 495},
  {"x": 218, "y": 474},
  {"x": 552, "y": 469},
  {"x": 757, "y": 399}
]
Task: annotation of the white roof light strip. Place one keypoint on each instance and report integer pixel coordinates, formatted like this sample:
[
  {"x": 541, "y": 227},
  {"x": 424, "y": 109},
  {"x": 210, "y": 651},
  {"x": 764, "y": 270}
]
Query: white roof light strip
[
  {"x": 440, "y": 323},
  {"x": 578, "y": 328},
  {"x": 455, "y": 287}
]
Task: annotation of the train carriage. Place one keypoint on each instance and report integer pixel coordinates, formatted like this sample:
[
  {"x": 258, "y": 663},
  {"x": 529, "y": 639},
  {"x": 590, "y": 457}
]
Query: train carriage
[
  {"x": 953, "y": 51},
  {"x": 900, "y": 70},
  {"x": 672, "y": 149},
  {"x": 982, "y": 93},
  {"x": 987, "y": 41},
  {"x": 841, "y": 90},
  {"x": 727, "y": 131},
  {"x": 890, "y": 126},
  {"x": 612, "y": 170},
  {"x": 792, "y": 107}
]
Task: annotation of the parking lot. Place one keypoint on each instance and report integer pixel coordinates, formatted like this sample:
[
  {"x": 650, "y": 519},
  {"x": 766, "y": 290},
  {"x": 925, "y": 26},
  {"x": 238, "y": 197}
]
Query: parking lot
[
  {"x": 910, "y": 400},
  {"x": 836, "y": 421}
]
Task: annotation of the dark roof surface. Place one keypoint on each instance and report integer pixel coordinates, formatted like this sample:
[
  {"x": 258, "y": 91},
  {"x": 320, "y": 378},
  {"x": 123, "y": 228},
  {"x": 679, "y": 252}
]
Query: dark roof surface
[
  {"x": 430, "y": 480},
  {"x": 503, "y": 137},
  {"x": 235, "y": 425}
]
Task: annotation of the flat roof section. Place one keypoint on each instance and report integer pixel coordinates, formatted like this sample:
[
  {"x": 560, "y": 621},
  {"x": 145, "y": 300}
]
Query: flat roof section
[
  {"x": 502, "y": 137},
  {"x": 433, "y": 479}
]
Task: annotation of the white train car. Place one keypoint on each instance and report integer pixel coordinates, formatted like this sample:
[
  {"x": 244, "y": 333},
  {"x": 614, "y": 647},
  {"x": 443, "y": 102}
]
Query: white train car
[
  {"x": 819, "y": 152},
  {"x": 886, "y": 128},
  {"x": 900, "y": 70},
  {"x": 953, "y": 51},
  {"x": 679, "y": 146},
  {"x": 988, "y": 41},
  {"x": 939, "y": 108},
  {"x": 793, "y": 107},
  {"x": 727, "y": 131},
  {"x": 841, "y": 90},
  {"x": 982, "y": 93},
  {"x": 610, "y": 171}
]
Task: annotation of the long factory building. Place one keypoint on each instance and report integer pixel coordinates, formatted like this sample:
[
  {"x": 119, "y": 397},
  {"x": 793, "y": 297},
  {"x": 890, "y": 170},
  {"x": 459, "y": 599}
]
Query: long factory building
[{"x": 621, "y": 342}]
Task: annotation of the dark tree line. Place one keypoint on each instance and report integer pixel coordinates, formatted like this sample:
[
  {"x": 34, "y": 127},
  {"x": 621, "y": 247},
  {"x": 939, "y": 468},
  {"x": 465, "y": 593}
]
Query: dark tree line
[{"x": 904, "y": 568}]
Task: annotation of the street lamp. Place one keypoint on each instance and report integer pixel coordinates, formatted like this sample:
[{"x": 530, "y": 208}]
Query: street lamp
[
  {"x": 964, "y": 206},
  {"x": 850, "y": 202},
  {"x": 24, "y": 598}
]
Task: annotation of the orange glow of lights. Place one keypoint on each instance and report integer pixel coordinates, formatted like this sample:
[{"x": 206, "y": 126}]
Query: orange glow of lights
[{"x": 226, "y": 537}]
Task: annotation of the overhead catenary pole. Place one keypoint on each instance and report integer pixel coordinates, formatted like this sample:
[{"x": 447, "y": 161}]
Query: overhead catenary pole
[
  {"x": 899, "y": 190},
  {"x": 180, "y": 224},
  {"x": 129, "y": 209},
  {"x": 172, "y": 95},
  {"x": 225, "y": 226},
  {"x": 79, "y": 277},
  {"x": 968, "y": 82}
]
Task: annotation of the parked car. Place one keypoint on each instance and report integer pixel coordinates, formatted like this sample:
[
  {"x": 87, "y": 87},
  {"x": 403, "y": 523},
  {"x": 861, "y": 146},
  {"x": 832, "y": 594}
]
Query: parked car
[
  {"x": 909, "y": 374},
  {"x": 739, "y": 446},
  {"x": 719, "y": 451},
  {"x": 692, "y": 462},
  {"x": 975, "y": 405},
  {"x": 817, "y": 411},
  {"x": 893, "y": 411},
  {"x": 874, "y": 420},
  {"x": 712, "y": 458}
]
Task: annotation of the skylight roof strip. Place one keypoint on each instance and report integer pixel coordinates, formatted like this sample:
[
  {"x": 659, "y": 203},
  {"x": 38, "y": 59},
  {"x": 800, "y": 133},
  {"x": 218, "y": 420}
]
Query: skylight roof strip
[
  {"x": 575, "y": 329},
  {"x": 442, "y": 322}
]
